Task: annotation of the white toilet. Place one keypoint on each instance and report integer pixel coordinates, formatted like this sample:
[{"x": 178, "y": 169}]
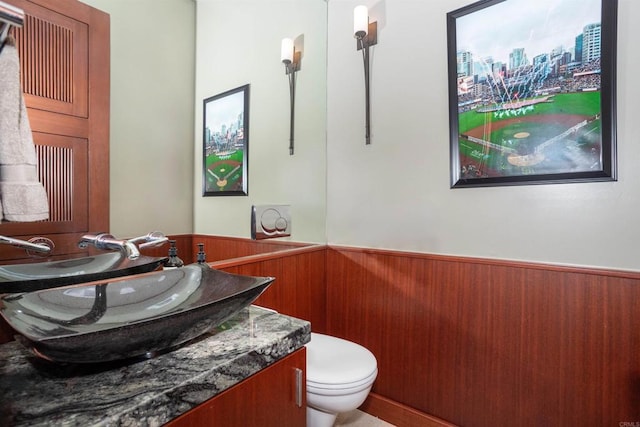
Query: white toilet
[{"x": 340, "y": 374}]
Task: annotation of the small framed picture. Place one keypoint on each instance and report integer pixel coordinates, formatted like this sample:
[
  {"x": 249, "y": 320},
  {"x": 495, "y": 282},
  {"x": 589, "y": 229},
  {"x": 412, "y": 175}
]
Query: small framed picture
[
  {"x": 226, "y": 143},
  {"x": 532, "y": 93}
]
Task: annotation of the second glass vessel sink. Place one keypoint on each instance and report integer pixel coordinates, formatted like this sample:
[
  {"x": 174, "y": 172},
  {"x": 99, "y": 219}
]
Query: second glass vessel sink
[{"x": 19, "y": 278}]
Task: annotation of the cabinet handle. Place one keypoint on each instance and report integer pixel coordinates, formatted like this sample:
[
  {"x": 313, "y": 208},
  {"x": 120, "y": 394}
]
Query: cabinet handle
[{"x": 300, "y": 387}]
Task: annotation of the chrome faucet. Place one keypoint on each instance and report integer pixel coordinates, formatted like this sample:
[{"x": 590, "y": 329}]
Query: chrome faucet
[
  {"x": 36, "y": 244},
  {"x": 128, "y": 247},
  {"x": 107, "y": 241}
]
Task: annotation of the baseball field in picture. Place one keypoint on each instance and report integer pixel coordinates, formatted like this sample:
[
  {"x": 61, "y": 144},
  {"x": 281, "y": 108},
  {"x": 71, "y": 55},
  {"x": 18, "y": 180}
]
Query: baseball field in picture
[
  {"x": 224, "y": 173},
  {"x": 541, "y": 135},
  {"x": 532, "y": 101}
]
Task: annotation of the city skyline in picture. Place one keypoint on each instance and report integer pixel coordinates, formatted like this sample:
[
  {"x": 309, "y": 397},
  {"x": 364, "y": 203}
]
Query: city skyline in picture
[
  {"x": 536, "y": 27},
  {"x": 225, "y": 112}
]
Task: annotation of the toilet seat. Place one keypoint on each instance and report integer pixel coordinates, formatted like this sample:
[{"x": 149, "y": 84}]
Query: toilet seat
[
  {"x": 341, "y": 389},
  {"x": 336, "y": 366}
]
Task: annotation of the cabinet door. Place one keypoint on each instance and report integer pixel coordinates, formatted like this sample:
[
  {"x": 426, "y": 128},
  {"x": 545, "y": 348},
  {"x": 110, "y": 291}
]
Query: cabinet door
[
  {"x": 64, "y": 63},
  {"x": 266, "y": 399}
]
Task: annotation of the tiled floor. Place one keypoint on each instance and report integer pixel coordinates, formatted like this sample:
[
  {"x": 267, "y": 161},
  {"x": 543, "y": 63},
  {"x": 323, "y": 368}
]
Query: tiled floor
[{"x": 358, "y": 418}]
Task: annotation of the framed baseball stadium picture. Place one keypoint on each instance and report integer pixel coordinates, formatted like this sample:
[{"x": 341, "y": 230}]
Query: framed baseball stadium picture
[
  {"x": 532, "y": 93},
  {"x": 226, "y": 143}
]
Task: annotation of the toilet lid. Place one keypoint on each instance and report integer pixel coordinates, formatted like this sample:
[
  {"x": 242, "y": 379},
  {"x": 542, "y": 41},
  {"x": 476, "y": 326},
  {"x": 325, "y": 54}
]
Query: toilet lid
[{"x": 333, "y": 361}]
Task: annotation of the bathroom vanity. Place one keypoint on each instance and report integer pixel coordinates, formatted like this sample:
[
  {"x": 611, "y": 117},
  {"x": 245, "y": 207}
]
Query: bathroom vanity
[{"x": 248, "y": 371}]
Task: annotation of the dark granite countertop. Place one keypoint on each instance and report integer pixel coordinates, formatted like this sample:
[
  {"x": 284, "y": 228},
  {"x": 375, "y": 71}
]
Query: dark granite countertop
[{"x": 144, "y": 392}]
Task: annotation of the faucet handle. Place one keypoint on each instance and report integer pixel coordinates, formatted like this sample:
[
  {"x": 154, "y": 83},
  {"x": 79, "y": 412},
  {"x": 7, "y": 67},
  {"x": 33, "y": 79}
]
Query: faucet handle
[
  {"x": 153, "y": 239},
  {"x": 34, "y": 246},
  {"x": 42, "y": 246}
]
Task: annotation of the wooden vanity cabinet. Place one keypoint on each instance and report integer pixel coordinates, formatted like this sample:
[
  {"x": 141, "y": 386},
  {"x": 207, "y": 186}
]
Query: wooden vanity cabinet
[{"x": 266, "y": 399}]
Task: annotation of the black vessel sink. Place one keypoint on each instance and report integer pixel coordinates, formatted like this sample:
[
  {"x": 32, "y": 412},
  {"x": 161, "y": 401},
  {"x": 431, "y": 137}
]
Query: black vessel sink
[
  {"x": 130, "y": 317},
  {"x": 19, "y": 278}
]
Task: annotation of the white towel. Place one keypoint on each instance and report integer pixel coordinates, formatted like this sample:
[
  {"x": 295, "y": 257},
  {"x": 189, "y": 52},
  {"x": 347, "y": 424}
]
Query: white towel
[{"x": 23, "y": 198}]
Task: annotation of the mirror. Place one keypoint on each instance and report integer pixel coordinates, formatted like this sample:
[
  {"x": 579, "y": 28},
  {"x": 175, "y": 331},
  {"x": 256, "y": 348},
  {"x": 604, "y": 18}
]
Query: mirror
[{"x": 160, "y": 53}]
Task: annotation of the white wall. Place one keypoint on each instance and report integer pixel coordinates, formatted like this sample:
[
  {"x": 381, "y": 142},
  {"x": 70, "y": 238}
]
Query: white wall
[
  {"x": 156, "y": 143},
  {"x": 152, "y": 83},
  {"x": 238, "y": 42},
  {"x": 395, "y": 193}
]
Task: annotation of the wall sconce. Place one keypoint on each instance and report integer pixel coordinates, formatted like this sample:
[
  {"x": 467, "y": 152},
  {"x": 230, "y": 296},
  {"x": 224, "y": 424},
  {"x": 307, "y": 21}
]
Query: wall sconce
[
  {"x": 291, "y": 60},
  {"x": 366, "y": 34}
]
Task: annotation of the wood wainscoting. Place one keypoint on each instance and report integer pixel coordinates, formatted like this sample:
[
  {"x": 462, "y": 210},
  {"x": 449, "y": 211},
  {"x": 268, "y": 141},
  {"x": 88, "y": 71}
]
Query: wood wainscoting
[
  {"x": 299, "y": 288},
  {"x": 490, "y": 343},
  {"x": 221, "y": 248}
]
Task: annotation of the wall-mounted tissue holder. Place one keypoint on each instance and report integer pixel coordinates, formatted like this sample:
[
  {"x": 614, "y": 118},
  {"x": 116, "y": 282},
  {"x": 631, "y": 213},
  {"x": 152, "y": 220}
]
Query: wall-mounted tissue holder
[{"x": 269, "y": 221}]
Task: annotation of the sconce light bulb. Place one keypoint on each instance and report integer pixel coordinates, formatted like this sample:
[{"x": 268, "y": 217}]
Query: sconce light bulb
[
  {"x": 286, "y": 51},
  {"x": 360, "y": 21}
]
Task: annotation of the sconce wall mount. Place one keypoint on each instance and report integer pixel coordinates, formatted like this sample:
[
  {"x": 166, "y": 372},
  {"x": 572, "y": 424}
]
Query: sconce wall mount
[
  {"x": 366, "y": 34},
  {"x": 291, "y": 59},
  {"x": 368, "y": 39}
]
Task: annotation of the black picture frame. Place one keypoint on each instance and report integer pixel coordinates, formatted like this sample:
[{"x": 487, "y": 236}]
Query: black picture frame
[
  {"x": 542, "y": 116},
  {"x": 225, "y": 154}
]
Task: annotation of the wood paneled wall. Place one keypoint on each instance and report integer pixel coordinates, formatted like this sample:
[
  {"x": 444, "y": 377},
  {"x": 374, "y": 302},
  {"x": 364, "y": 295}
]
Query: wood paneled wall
[
  {"x": 219, "y": 248},
  {"x": 299, "y": 288},
  {"x": 491, "y": 343},
  {"x": 224, "y": 248}
]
